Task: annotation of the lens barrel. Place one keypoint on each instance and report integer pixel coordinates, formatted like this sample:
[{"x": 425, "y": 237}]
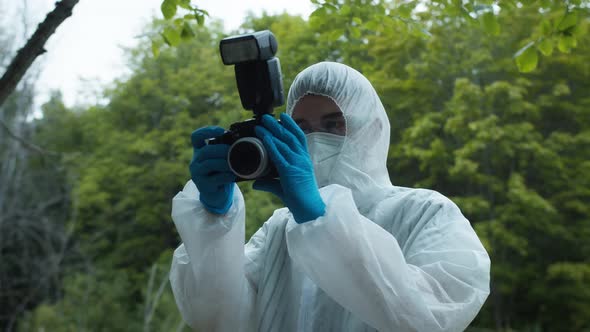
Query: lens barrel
[{"x": 248, "y": 158}]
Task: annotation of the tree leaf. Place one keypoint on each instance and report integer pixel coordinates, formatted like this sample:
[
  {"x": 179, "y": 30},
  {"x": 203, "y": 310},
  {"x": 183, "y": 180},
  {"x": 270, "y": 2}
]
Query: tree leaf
[
  {"x": 168, "y": 8},
  {"x": 171, "y": 36},
  {"x": 345, "y": 10},
  {"x": 372, "y": 25},
  {"x": 566, "y": 43},
  {"x": 355, "y": 32},
  {"x": 527, "y": 58},
  {"x": 187, "y": 31},
  {"x": 330, "y": 6},
  {"x": 357, "y": 20},
  {"x": 569, "y": 20},
  {"x": 405, "y": 10},
  {"x": 319, "y": 13},
  {"x": 546, "y": 46},
  {"x": 546, "y": 27},
  {"x": 200, "y": 20},
  {"x": 334, "y": 34},
  {"x": 490, "y": 23},
  {"x": 186, "y": 4},
  {"x": 202, "y": 11}
]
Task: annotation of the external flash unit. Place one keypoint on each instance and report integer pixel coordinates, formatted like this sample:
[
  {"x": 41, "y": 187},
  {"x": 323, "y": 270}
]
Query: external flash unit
[{"x": 257, "y": 46}]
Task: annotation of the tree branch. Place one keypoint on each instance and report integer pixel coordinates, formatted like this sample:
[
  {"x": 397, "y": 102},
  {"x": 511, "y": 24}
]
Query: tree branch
[
  {"x": 24, "y": 142},
  {"x": 34, "y": 47}
]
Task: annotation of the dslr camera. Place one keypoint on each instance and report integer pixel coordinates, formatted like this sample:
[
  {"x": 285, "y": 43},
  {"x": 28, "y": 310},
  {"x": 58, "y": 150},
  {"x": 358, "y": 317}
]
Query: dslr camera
[{"x": 260, "y": 84}]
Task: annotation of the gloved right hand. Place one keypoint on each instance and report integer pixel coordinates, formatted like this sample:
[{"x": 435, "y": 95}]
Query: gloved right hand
[
  {"x": 296, "y": 187},
  {"x": 210, "y": 171}
]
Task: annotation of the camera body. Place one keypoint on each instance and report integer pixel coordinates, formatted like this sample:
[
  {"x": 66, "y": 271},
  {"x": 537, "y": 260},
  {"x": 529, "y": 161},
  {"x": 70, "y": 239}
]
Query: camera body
[
  {"x": 260, "y": 84},
  {"x": 247, "y": 156}
]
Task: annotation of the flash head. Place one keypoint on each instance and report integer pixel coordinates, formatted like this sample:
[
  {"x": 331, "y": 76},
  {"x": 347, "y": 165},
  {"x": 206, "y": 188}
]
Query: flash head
[{"x": 257, "y": 46}]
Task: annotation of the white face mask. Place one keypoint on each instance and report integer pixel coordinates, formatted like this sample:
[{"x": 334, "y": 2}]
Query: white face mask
[{"x": 323, "y": 149}]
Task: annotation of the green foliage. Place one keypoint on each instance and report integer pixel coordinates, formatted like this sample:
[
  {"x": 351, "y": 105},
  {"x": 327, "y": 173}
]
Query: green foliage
[
  {"x": 176, "y": 29},
  {"x": 88, "y": 299},
  {"x": 557, "y": 20},
  {"x": 144, "y": 146},
  {"x": 101, "y": 301}
]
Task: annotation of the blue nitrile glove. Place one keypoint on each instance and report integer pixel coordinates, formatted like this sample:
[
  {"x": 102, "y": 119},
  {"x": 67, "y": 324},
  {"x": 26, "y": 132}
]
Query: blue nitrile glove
[
  {"x": 296, "y": 187},
  {"x": 210, "y": 171}
]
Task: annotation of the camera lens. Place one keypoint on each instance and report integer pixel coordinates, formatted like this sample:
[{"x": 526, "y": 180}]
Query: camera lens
[{"x": 247, "y": 158}]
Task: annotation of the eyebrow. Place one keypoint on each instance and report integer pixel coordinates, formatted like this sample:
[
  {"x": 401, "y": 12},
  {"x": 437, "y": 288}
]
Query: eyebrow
[{"x": 334, "y": 114}]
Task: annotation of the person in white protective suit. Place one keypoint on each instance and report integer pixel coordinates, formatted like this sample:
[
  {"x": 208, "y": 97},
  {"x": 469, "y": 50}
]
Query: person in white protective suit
[{"x": 350, "y": 252}]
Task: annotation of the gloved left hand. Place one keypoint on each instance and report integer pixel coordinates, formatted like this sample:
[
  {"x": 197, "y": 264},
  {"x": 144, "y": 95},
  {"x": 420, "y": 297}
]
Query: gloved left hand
[
  {"x": 287, "y": 148},
  {"x": 210, "y": 171}
]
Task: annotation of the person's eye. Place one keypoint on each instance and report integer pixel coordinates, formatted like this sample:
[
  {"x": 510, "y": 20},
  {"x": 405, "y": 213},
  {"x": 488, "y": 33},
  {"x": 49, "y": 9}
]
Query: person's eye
[
  {"x": 334, "y": 126},
  {"x": 304, "y": 127}
]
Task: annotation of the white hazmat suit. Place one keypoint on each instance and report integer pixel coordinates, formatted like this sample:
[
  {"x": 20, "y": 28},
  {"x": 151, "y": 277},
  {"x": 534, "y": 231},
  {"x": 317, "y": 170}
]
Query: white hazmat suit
[{"x": 381, "y": 258}]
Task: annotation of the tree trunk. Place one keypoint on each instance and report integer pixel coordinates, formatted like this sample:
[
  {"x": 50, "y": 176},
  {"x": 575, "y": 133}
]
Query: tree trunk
[{"x": 34, "y": 47}]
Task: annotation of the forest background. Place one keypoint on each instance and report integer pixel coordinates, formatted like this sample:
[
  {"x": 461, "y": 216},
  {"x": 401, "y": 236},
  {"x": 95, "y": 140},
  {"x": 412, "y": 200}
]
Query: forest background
[{"x": 86, "y": 237}]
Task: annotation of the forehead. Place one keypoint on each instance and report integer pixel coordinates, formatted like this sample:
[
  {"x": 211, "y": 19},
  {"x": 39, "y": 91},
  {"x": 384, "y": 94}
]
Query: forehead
[{"x": 311, "y": 107}]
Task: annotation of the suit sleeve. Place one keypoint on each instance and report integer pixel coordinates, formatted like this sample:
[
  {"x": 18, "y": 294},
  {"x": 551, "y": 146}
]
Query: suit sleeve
[
  {"x": 213, "y": 275},
  {"x": 439, "y": 285}
]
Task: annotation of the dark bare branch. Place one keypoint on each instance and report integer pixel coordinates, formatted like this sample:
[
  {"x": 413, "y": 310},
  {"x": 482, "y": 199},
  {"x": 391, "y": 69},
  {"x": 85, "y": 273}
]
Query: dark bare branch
[{"x": 34, "y": 47}]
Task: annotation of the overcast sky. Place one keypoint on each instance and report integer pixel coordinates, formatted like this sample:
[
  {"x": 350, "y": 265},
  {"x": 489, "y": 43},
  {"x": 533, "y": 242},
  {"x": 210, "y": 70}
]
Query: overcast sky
[{"x": 85, "y": 52}]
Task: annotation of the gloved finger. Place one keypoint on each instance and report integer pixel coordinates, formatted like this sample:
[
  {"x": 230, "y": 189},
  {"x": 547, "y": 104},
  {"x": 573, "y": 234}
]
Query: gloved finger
[
  {"x": 211, "y": 190},
  {"x": 217, "y": 179},
  {"x": 285, "y": 151},
  {"x": 292, "y": 127},
  {"x": 261, "y": 132},
  {"x": 274, "y": 153},
  {"x": 269, "y": 185},
  {"x": 280, "y": 132},
  {"x": 198, "y": 136},
  {"x": 212, "y": 152},
  {"x": 209, "y": 166},
  {"x": 264, "y": 134}
]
